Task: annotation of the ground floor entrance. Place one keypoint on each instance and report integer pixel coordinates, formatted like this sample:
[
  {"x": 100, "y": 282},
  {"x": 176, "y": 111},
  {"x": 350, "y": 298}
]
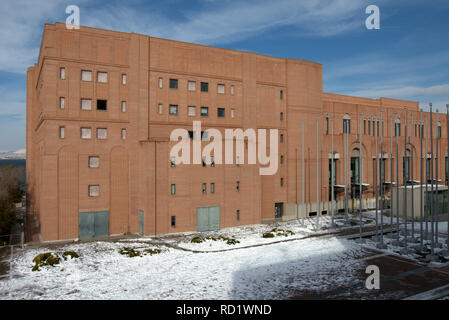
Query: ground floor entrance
[
  {"x": 93, "y": 224},
  {"x": 208, "y": 218}
]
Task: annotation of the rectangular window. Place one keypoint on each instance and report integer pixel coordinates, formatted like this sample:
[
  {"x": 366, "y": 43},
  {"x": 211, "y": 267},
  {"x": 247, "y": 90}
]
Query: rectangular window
[
  {"x": 221, "y": 88},
  {"x": 281, "y": 95},
  {"x": 204, "y": 111},
  {"x": 191, "y": 85},
  {"x": 159, "y": 108},
  {"x": 62, "y": 132},
  {"x": 94, "y": 190},
  {"x": 61, "y": 103},
  {"x": 237, "y": 160},
  {"x": 94, "y": 162},
  {"x": 62, "y": 73},
  {"x": 102, "y": 77},
  {"x": 238, "y": 214},
  {"x": 173, "y": 221},
  {"x": 86, "y": 75},
  {"x": 232, "y": 90},
  {"x": 102, "y": 133},
  {"x": 282, "y": 138},
  {"x": 191, "y": 111},
  {"x": 204, "y": 87},
  {"x": 212, "y": 187},
  {"x": 204, "y": 188},
  {"x": 397, "y": 129},
  {"x": 212, "y": 161},
  {"x": 86, "y": 133},
  {"x": 173, "y": 83},
  {"x": 282, "y": 182},
  {"x": 282, "y": 160},
  {"x": 102, "y": 105},
  {"x": 173, "y": 109},
  {"x": 346, "y": 126},
  {"x": 172, "y": 161},
  {"x": 159, "y": 83},
  {"x": 438, "y": 132},
  {"x": 238, "y": 186},
  {"x": 86, "y": 104},
  {"x": 123, "y": 79},
  {"x": 123, "y": 106},
  {"x": 281, "y": 117},
  {"x": 220, "y": 112},
  {"x": 232, "y": 113},
  {"x": 123, "y": 134},
  {"x": 173, "y": 189}
]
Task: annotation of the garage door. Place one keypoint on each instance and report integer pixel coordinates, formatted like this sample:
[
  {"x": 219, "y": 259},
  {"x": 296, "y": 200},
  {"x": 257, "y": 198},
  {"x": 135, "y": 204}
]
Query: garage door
[
  {"x": 93, "y": 224},
  {"x": 208, "y": 218}
]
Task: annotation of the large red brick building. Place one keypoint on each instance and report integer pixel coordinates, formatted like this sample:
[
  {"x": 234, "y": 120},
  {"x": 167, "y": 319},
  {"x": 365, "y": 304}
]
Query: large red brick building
[{"x": 101, "y": 106}]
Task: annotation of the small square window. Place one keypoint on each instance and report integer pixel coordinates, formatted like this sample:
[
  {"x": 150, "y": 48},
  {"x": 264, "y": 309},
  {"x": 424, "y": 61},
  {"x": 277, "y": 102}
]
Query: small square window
[
  {"x": 159, "y": 83},
  {"x": 173, "y": 83},
  {"x": 204, "y": 188},
  {"x": 62, "y": 73},
  {"x": 61, "y": 103},
  {"x": 62, "y": 132},
  {"x": 123, "y": 79},
  {"x": 220, "y": 112},
  {"x": 221, "y": 88},
  {"x": 102, "y": 105},
  {"x": 123, "y": 134},
  {"x": 94, "y": 162},
  {"x": 173, "y": 109},
  {"x": 173, "y": 221},
  {"x": 86, "y": 133},
  {"x": 191, "y": 85},
  {"x": 159, "y": 108},
  {"x": 123, "y": 106},
  {"x": 86, "y": 75},
  {"x": 102, "y": 77},
  {"x": 191, "y": 111},
  {"x": 232, "y": 113},
  {"x": 204, "y": 87},
  {"x": 86, "y": 104},
  {"x": 232, "y": 90},
  {"x": 204, "y": 111},
  {"x": 102, "y": 133},
  {"x": 94, "y": 190}
]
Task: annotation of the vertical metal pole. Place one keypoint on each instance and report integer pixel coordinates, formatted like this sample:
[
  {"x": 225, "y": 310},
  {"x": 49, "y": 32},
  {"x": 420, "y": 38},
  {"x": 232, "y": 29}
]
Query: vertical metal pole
[
  {"x": 376, "y": 163},
  {"x": 431, "y": 182},
  {"x": 437, "y": 207},
  {"x": 421, "y": 132},
  {"x": 397, "y": 178},
  {"x": 303, "y": 175},
  {"x": 427, "y": 205},
  {"x": 360, "y": 177},
  {"x": 381, "y": 170},
  {"x": 296, "y": 183},
  {"x": 332, "y": 172},
  {"x": 346, "y": 174},
  {"x": 405, "y": 179},
  {"x": 391, "y": 173},
  {"x": 317, "y": 176},
  {"x": 412, "y": 178},
  {"x": 447, "y": 125}
]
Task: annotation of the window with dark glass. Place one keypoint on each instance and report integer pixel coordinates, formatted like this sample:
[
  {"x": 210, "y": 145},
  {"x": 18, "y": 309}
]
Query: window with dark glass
[
  {"x": 220, "y": 112},
  {"x": 173, "y": 83},
  {"x": 204, "y": 87}
]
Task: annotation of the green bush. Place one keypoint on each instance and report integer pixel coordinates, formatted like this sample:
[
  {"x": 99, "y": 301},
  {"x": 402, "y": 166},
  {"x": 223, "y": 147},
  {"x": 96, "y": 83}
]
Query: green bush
[
  {"x": 230, "y": 241},
  {"x": 71, "y": 254},
  {"x": 45, "y": 259},
  {"x": 278, "y": 233},
  {"x": 197, "y": 240},
  {"x": 130, "y": 252}
]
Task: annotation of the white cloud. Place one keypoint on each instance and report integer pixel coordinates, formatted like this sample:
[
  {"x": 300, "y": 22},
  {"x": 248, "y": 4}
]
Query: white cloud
[{"x": 405, "y": 91}]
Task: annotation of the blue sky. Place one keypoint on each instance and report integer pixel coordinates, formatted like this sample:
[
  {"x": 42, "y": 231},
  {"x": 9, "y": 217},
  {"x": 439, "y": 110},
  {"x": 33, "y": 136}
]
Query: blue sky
[{"x": 407, "y": 58}]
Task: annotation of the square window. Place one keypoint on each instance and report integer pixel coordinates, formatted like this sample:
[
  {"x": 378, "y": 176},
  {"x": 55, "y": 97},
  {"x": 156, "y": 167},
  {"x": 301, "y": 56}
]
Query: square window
[
  {"x": 232, "y": 90},
  {"x": 123, "y": 134},
  {"x": 62, "y": 132},
  {"x": 173, "y": 221},
  {"x": 62, "y": 73},
  {"x": 86, "y": 75},
  {"x": 86, "y": 133},
  {"x": 232, "y": 113},
  {"x": 86, "y": 104},
  {"x": 173, "y": 83},
  {"x": 123, "y": 106},
  {"x": 173, "y": 189},
  {"x": 173, "y": 109},
  {"x": 159, "y": 83},
  {"x": 221, "y": 88},
  {"x": 204, "y": 111},
  {"x": 94, "y": 190},
  {"x": 102, "y": 105},
  {"x": 102, "y": 133},
  {"x": 102, "y": 77},
  {"x": 123, "y": 79},
  {"x": 94, "y": 162},
  {"x": 159, "y": 108},
  {"x": 61, "y": 103},
  {"x": 191, "y": 111},
  {"x": 191, "y": 85},
  {"x": 220, "y": 112},
  {"x": 204, "y": 87}
]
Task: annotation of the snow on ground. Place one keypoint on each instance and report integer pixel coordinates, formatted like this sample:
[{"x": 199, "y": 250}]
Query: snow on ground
[{"x": 266, "y": 272}]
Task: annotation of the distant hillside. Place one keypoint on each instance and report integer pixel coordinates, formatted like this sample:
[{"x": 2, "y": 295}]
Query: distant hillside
[{"x": 18, "y": 154}]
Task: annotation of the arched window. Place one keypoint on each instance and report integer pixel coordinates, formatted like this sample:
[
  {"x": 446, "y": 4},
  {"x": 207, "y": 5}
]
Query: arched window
[
  {"x": 397, "y": 127},
  {"x": 438, "y": 130},
  {"x": 346, "y": 123}
]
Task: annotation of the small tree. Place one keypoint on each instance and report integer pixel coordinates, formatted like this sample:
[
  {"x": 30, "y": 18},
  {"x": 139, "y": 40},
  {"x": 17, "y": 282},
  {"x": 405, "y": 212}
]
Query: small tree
[{"x": 10, "y": 193}]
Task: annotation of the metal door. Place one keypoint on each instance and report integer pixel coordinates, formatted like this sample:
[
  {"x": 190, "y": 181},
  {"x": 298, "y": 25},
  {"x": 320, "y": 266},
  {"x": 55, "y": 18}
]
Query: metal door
[
  {"x": 141, "y": 222},
  {"x": 208, "y": 218},
  {"x": 93, "y": 224}
]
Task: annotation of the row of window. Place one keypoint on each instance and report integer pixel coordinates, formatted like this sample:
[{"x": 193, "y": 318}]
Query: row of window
[
  {"x": 191, "y": 111},
  {"x": 86, "y": 104},
  {"x": 86, "y": 133},
  {"x": 212, "y": 160},
  {"x": 191, "y": 86},
  {"x": 86, "y": 75}
]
